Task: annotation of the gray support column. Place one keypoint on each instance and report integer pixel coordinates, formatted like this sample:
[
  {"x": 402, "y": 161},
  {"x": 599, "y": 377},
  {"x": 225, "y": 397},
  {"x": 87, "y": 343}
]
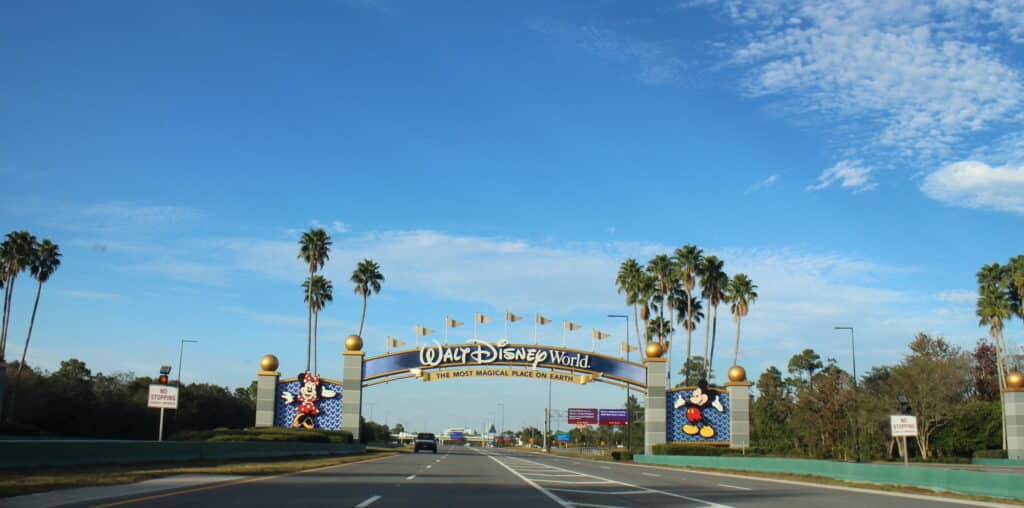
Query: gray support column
[
  {"x": 352, "y": 391},
  {"x": 739, "y": 413},
  {"x": 654, "y": 414},
  {"x": 3, "y": 388},
  {"x": 266, "y": 392},
  {"x": 1013, "y": 405}
]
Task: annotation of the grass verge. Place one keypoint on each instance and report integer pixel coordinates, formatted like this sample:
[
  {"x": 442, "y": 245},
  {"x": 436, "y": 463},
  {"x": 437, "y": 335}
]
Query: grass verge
[{"x": 20, "y": 482}]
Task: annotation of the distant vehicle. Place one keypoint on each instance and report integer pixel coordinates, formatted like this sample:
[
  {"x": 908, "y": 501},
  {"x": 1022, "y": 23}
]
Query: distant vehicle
[{"x": 425, "y": 441}]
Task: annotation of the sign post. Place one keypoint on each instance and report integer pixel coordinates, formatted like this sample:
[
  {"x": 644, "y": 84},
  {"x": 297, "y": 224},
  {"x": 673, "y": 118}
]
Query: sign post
[
  {"x": 903, "y": 426},
  {"x": 162, "y": 397}
]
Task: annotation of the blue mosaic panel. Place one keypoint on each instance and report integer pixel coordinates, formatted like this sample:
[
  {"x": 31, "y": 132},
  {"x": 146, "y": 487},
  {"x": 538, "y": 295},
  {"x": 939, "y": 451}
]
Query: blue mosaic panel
[
  {"x": 330, "y": 409},
  {"x": 676, "y": 418}
]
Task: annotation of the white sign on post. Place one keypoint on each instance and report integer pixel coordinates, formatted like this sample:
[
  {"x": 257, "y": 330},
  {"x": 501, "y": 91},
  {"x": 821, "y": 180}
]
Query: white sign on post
[
  {"x": 903, "y": 425},
  {"x": 163, "y": 397}
]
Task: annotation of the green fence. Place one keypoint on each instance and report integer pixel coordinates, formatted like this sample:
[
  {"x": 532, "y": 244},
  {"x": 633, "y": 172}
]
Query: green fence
[
  {"x": 981, "y": 483},
  {"x": 43, "y": 453}
]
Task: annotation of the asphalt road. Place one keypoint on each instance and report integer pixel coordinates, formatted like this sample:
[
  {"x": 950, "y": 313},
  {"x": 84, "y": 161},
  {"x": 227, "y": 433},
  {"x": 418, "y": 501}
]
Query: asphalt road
[{"x": 458, "y": 476}]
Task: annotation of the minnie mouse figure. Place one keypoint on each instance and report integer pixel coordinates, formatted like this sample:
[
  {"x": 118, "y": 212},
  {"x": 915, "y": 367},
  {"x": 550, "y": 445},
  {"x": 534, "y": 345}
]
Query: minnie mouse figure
[
  {"x": 310, "y": 392},
  {"x": 695, "y": 404}
]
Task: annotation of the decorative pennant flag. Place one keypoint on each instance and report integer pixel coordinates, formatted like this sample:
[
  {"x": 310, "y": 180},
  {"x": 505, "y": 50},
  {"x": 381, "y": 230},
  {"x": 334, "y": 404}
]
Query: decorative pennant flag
[
  {"x": 626, "y": 348},
  {"x": 480, "y": 318},
  {"x": 599, "y": 335},
  {"x": 512, "y": 317},
  {"x": 423, "y": 331},
  {"x": 569, "y": 325},
  {"x": 451, "y": 323},
  {"x": 393, "y": 342},
  {"x": 541, "y": 320}
]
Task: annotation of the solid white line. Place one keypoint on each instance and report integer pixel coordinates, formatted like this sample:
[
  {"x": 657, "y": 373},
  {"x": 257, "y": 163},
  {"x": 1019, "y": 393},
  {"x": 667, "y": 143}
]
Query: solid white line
[
  {"x": 368, "y": 502},
  {"x": 602, "y": 492},
  {"x": 733, "y": 487},
  {"x": 597, "y": 505},
  {"x": 410, "y": 477},
  {"x": 651, "y": 474}
]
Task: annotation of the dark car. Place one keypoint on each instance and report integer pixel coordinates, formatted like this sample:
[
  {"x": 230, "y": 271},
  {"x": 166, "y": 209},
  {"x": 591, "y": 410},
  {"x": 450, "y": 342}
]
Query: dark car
[{"x": 425, "y": 441}]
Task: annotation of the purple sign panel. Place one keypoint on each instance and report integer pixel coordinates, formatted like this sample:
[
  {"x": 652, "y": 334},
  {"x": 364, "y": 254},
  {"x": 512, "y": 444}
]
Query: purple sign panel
[
  {"x": 586, "y": 416},
  {"x": 612, "y": 417}
]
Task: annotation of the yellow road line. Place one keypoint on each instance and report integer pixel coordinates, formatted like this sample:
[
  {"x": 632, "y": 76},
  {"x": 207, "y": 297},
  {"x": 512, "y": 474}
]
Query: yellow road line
[{"x": 232, "y": 484}]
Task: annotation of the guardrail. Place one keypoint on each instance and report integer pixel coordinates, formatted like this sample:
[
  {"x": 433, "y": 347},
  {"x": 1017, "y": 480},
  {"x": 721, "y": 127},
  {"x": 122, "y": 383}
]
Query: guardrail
[
  {"x": 46, "y": 453},
  {"x": 981, "y": 483},
  {"x": 580, "y": 450}
]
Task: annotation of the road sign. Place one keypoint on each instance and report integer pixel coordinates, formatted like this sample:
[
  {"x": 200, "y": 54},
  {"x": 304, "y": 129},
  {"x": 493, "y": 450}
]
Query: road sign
[
  {"x": 163, "y": 397},
  {"x": 612, "y": 417},
  {"x": 587, "y": 416},
  {"x": 563, "y": 437},
  {"x": 903, "y": 425}
]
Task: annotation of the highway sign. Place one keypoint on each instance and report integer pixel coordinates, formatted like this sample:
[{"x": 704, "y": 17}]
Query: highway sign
[
  {"x": 903, "y": 425},
  {"x": 163, "y": 397},
  {"x": 613, "y": 417},
  {"x": 586, "y": 416},
  {"x": 563, "y": 437}
]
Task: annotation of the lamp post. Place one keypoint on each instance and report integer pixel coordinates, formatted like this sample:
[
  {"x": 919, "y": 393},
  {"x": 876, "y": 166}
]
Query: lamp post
[
  {"x": 181, "y": 352},
  {"x": 629, "y": 442},
  {"x": 501, "y": 430},
  {"x": 856, "y": 426}
]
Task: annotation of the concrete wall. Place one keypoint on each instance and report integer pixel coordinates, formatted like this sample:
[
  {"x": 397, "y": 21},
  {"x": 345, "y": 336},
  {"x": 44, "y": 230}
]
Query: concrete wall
[
  {"x": 981, "y": 483},
  {"x": 40, "y": 453}
]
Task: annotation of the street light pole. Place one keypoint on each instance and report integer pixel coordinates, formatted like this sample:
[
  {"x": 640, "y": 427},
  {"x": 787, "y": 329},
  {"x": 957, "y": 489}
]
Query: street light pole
[
  {"x": 629, "y": 442},
  {"x": 856, "y": 426},
  {"x": 181, "y": 352},
  {"x": 501, "y": 431}
]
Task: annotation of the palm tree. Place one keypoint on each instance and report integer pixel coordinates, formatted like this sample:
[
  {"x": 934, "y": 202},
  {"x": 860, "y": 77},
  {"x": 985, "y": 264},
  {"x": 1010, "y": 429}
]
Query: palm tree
[
  {"x": 314, "y": 250},
  {"x": 712, "y": 281},
  {"x": 1016, "y": 284},
  {"x": 645, "y": 291},
  {"x": 993, "y": 309},
  {"x": 659, "y": 325},
  {"x": 629, "y": 281},
  {"x": 741, "y": 293},
  {"x": 367, "y": 278},
  {"x": 690, "y": 313},
  {"x": 319, "y": 292},
  {"x": 661, "y": 267},
  {"x": 43, "y": 265},
  {"x": 16, "y": 254},
  {"x": 688, "y": 258}
]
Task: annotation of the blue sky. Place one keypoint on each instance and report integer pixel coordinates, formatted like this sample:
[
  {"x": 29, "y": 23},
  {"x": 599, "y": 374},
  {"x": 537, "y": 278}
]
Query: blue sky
[{"x": 859, "y": 162}]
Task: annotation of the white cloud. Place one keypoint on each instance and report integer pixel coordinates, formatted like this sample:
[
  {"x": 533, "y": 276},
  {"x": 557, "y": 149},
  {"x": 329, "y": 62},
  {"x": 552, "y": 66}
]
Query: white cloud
[
  {"x": 90, "y": 295},
  {"x": 849, "y": 174},
  {"x": 767, "y": 182},
  {"x": 973, "y": 184},
  {"x": 957, "y": 296},
  {"x": 340, "y": 227},
  {"x": 657, "y": 65},
  {"x": 912, "y": 71},
  {"x": 104, "y": 218}
]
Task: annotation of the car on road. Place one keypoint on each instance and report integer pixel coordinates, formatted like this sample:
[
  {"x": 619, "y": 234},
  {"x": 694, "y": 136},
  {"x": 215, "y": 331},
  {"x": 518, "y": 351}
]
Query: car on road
[{"x": 425, "y": 441}]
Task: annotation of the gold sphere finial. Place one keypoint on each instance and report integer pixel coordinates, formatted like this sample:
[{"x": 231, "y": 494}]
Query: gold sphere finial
[
  {"x": 737, "y": 374},
  {"x": 353, "y": 343},
  {"x": 654, "y": 350},
  {"x": 268, "y": 363},
  {"x": 1015, "y": 380}
]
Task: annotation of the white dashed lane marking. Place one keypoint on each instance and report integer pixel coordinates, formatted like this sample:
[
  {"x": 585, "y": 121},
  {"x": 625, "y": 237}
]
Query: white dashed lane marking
[
  {"x": 410, "y": 477},
  {"x": 368, "y": 502}
]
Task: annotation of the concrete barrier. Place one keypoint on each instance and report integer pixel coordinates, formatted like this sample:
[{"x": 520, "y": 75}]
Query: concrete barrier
[
  {"x": 43, "y": 453},
  {"x": 997, "y": 462},
  {"x": 981, "y": 483}
]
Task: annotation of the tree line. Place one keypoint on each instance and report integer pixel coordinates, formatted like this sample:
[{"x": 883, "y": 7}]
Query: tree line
[{"x": 668, "y": 282}]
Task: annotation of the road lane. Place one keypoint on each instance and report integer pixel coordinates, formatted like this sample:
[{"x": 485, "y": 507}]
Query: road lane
[{"x": 730, "y": 489}]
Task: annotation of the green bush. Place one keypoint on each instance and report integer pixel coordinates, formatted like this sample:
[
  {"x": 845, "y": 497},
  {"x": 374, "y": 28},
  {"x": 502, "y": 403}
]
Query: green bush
[
  {"x": 990, "y": 454},
  {"x": 617, "y": 455},
  {"x": 277, "y": 434},
  {"x": 702, "y": 450},
  {"x": 20, "y": 429}
]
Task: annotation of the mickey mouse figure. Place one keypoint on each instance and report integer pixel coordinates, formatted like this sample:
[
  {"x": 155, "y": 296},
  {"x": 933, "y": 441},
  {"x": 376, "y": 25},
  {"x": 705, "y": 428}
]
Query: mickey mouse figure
[
  {"x": 699, "y": 399},
  {"x": 310, "y": 392}
]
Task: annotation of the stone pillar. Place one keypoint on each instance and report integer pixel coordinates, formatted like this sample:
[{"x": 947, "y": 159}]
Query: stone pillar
[
  {"x": 655, "y": 423},
  {"x": 739, "y": 413},
  {"x": 266, "y": 391},
  {"x": 1013, "y": 407},
  {"x": 352, "y": 385}
]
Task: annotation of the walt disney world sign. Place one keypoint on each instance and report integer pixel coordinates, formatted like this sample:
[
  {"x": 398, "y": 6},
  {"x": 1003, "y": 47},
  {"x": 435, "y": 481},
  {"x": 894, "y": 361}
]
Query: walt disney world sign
[{"x": 477, "y": 352}]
